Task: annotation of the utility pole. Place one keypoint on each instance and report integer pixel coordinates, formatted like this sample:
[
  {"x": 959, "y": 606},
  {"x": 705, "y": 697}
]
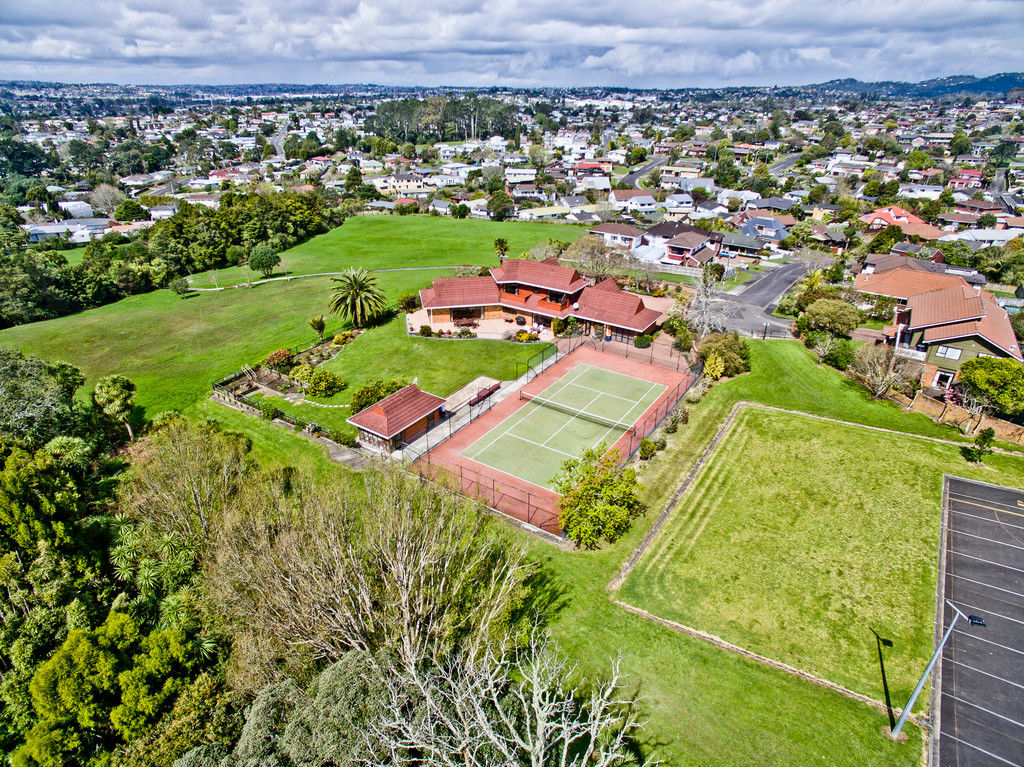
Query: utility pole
[{"x": 924, "y": 677}]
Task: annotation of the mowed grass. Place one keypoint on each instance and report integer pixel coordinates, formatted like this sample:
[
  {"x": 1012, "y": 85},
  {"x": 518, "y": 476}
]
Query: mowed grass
[
  {"x": 402, "y": 242},
  {"x": 173, "y": 348},
  {"x": 800, "y": 536},
  {"x": 437, "y": 365}
]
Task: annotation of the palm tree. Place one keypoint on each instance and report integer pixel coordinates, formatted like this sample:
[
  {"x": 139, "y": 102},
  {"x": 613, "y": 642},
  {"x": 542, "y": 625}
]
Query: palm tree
[
  {"x": 319, "y": 326},
  {"x": 501, "y": 247},
  {"x": 811, "y": 282},
  {"x": 357, "y": 297}
]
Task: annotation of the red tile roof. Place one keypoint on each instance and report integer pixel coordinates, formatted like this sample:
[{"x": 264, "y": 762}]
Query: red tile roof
[
  {"x": 447, "y": 292},
  {"x": 889, "y": 215},
  {"x": 539, "y": 275},
  {"x": 620, "y": 309},
  {"x": 904, "y": 282},
  {"x": 945, "y": 305},
  {"x": 397, "y": 411}
]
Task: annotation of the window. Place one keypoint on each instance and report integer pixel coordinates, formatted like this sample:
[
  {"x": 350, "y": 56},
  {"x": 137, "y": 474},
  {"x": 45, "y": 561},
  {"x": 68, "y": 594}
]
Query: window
[{"x": 948, "y": 352}]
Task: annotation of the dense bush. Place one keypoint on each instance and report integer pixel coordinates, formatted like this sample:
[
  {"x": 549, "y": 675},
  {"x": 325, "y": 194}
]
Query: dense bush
[
  {"x": 647, "y": 449},
  {"x": 343, "y": 338},
  {"x": 323, "y": 383},
  {"x": 426, "y": 331},
  {"x": 840, "y": 356},
  {"x": 268, "y": 410},
  {"x": 643, "y": 341},
  {"x": 832, "y": 315},
  {"x": 730, "y": 349},
  {"x": 409, "y": 302},
  {"x": 375, "y": 392}
]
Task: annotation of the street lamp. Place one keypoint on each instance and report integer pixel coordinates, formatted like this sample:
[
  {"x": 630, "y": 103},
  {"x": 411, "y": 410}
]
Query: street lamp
[{"x": 931, "y": 664}]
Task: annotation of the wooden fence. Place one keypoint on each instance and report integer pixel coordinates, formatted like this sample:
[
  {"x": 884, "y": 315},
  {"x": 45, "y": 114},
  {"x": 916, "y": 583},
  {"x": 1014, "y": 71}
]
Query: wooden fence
[{"x": 967, "y": 422}]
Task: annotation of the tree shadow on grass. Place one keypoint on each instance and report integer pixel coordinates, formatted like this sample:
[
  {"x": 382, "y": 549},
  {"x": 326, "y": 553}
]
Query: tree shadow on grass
[{"x": 544, "y": 598}]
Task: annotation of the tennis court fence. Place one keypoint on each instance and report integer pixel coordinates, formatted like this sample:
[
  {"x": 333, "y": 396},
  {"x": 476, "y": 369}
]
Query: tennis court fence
[
  {"x": 537, "y": 510},
  {"x": 532, "y": 508}
]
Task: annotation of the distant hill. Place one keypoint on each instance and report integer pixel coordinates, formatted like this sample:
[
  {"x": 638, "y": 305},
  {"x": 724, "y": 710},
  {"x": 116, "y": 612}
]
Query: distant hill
[{"x": 993, "y": 85}]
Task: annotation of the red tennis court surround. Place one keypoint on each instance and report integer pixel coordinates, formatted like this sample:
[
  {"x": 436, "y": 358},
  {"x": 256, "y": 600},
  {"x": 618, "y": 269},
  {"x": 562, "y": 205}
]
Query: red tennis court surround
[{"x": 517, "y": 497}]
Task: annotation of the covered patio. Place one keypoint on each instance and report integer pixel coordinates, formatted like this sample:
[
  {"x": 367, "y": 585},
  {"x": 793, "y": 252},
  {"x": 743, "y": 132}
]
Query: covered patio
[{"x": 493, "y": 328}]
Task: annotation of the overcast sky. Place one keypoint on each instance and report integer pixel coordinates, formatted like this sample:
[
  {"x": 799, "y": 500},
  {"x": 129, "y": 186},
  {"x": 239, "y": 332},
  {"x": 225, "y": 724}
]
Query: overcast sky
[{"x": 657, "y": 43}]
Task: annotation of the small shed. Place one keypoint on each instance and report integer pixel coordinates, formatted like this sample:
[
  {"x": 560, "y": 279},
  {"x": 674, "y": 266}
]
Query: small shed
[{"x": 399, "y": 417}]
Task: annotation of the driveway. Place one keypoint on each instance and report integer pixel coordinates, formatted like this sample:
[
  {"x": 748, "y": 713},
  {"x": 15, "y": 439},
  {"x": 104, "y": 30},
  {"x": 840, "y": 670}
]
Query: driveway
[{"x": 782, "y": 165}]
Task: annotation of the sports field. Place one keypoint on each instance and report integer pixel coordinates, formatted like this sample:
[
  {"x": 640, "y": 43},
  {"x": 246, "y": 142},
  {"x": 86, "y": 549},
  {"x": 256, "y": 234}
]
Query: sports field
[{"x": 584, "y": 408}]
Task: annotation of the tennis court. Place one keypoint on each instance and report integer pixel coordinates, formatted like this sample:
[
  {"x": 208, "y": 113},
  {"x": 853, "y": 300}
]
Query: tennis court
[{"x": 586, "y": 407}]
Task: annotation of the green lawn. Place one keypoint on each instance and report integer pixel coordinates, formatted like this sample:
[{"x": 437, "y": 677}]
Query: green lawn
[
  {"x": 74, "y": 255},
  {"x": 173, "y": 348},
  {"x": 393, "y": 242},
  {"x": 802, "y": 535},
  {"x": 736, "y": 280},
  {"x": 439, "y": 366}
]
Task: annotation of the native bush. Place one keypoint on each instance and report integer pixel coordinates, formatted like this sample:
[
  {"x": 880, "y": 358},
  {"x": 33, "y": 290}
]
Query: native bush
[
  {"x": 643, "y": 341},
  {"x": 375, "y": 392},
  {"x": 323, "y": 383},
  {"x": 730, "y": 349}
]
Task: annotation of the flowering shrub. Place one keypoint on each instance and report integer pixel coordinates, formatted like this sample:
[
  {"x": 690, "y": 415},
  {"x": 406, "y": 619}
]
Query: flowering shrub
[
  {"x": 281, "y": 360},
  {"x": 343, "y": 338},
  {"x": 300, "y": 372}
]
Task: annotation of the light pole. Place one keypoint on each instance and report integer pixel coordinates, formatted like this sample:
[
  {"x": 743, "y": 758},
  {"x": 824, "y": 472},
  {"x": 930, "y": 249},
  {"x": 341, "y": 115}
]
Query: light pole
[{"x": 927, "y": 671}]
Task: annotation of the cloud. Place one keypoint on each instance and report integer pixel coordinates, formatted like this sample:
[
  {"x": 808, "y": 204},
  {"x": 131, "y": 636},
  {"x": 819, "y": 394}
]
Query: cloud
[{"x": 652, "y": 43}]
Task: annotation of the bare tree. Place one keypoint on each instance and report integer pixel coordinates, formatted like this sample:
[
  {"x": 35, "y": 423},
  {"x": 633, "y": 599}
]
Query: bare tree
[
  {"x": 319, "y": 570},
  {"x": 705, "y": 312},
  {"x": 105, "y": 198},
  {"x": 880, "y": 369},
  {"x": 521, "y": 708},
  {"x": 824, "y": 344},
  {"x": 591, "y": 256}
]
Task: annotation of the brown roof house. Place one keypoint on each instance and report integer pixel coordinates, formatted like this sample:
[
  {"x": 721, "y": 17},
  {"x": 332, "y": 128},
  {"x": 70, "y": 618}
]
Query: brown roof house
[
  {"x": 539, "y": 292},
  {"x": 942, "y": 322},
  {"x": 397, "y": 419}
]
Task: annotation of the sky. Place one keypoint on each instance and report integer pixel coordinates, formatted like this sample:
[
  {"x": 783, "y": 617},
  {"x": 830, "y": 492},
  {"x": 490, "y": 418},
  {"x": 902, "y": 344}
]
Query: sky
[{"x": 512, "y": 43}]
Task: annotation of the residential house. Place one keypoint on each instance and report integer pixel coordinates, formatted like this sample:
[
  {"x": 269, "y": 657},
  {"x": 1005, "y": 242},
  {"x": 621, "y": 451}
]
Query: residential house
[
  {"x": 618, "y": 235},
  {"x": 767, "y": 230},
  {"x": 633, "y": 200},
  {"x": 946, "y": 326},
  {"x": 539, "y": 292},
  {"x": 692, "y": 248},
  {"x": 740, "y": 247}
]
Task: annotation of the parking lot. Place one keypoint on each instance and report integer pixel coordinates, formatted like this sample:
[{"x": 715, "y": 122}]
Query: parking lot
[{"x": 982, "y": 672}]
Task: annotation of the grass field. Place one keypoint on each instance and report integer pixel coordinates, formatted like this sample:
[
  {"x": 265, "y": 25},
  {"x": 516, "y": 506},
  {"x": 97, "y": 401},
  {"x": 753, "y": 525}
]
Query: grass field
[
  {"x": 736, "y": 280},
  {"x": 802, "y": 535},
  {"x": 402, "y": 242},
  {"x": 173, "y": 348},
  {"x": 439, "y": 366},
  {"x": 533, "y": 442}
]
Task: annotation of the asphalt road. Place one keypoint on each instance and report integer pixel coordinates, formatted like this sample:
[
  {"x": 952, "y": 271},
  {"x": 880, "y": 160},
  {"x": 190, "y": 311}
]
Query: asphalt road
[
  {"x": 770, "y": 286},
  {"x": 633, "y": 179},
  {"x": 783, "y": 164},
  {"x": 981, "y": 721},
  {"x": 998, "y": 185}
]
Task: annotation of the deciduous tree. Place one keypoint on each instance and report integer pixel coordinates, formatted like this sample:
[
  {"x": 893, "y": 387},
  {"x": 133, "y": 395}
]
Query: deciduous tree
[{"x": 598, "y": 500}]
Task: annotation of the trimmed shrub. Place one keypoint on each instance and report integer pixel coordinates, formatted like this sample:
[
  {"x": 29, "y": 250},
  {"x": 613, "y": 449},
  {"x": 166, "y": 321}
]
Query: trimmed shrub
[
  {"x": 300, "y": 372},
  {"x": 648, "y": 449},
  {"x": 375, "y": 392},
  {"x": 323, "y": 383},
  {"x": 409, "y": 302},
  {"x": 730, "y": 349},
  {"x": 684, "y": 339},
  {"x": 343, "y": 338},
  {"x": 426, "y": 331},
  {"x": 643, "y": 341}
]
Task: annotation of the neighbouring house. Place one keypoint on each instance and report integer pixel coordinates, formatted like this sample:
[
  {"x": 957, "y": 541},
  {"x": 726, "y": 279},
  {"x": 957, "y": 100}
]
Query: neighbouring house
[
  {"x": 741, "y": 247},
  {"x": 945, "y": 327},
  {"x": 876, "y": 263},
  {"x": 618, "y": 235},
  {"x": 398, "y": 419},
  {"x": 768, "y": 230},
  {"x": 539, "y": 292},
  {"x": 893, "y": 215},
  {"x": 691, "y": 248},
  {"x": 635, "y": 200}
]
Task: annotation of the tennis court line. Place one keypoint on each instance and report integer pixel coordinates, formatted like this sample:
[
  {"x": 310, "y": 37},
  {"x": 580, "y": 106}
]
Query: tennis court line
[
  {"x": 572, "y": 418},
  {"x": 990, "y": 540},
  {"x": 522, "y": 418},
  {"x": 993, "y": 520},
  {"x": 605, "y": 435},
  {"x": 617, "y": 396}
]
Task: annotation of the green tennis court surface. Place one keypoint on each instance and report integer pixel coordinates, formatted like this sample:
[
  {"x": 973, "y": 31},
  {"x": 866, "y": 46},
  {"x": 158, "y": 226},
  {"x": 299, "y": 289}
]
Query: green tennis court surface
[{"x": 599, "y": 406}]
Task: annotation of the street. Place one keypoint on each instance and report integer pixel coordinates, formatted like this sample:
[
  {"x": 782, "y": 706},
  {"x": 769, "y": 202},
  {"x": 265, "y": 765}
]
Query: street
[
  {"x": 633, "y": 179},
  {"x": 746, "y": 312}
]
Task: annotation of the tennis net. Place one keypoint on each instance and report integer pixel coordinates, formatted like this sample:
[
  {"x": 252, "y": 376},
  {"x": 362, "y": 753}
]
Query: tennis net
[{"x": 601, "y": 420}]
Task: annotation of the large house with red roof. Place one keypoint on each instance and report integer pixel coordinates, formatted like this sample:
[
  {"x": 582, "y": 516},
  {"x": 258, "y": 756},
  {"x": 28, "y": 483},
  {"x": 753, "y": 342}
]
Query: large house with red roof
[
  {"x": 539, "y": 292},
  {"x": 942, "y": 321}
]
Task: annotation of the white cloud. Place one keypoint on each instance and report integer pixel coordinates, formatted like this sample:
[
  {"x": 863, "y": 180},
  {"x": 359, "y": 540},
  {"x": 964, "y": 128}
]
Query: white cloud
[{"x": 664, "y": 43}]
